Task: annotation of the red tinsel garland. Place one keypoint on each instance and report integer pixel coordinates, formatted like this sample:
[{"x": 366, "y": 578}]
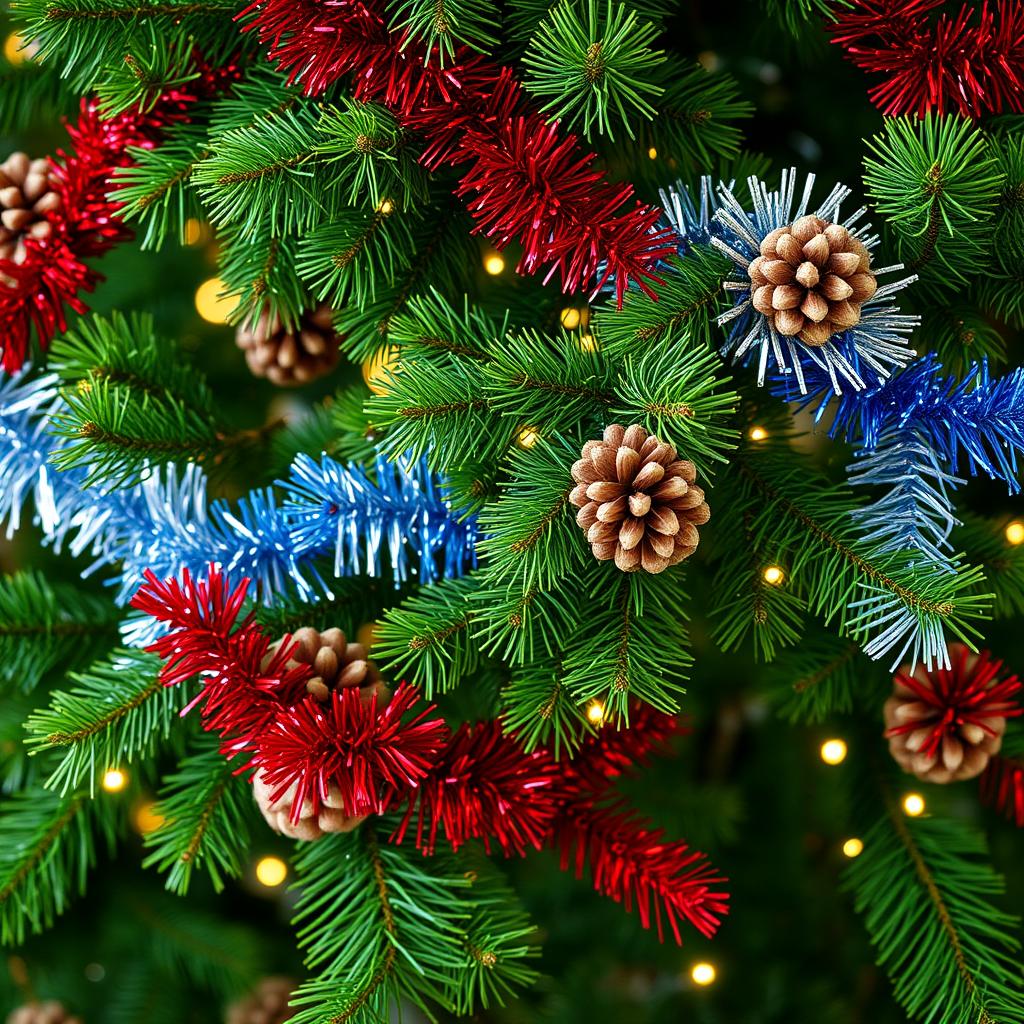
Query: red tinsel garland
[
  {"x": 1002, "y": 787},
  {"x": 478, "y": 784},
  {"x": 971, "y": 62},
  {"x": 37, "y": 292},
  {"x": 523, "y": 181}
]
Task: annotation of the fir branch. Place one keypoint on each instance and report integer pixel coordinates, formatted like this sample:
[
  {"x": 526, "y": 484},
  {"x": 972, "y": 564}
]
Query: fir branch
[
  {"x": 118, "y": 712},
  {"x": 206, "y": 810},
  {"x": 928, "y": 873}
]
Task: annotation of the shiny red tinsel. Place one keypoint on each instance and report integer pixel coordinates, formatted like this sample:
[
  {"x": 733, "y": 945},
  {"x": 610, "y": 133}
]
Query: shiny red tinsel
[
  {"x": 37, "y": 292},
  {"x": 971, "y": 62},
  {"x": 523, "y": 180},
  {"x": 479, "y": 783}
]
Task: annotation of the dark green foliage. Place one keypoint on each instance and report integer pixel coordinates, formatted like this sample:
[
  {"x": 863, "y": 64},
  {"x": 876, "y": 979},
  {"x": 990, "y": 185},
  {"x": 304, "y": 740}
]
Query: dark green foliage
[
  {"x": 46, "y": 627},
  {"x": 118, "y": 711},
  {"x": 926, "y": 895},
  {"x": 206, "y": 806},
  {"x": 51, "y": 841},
  {"x": 985, "y": 544}
]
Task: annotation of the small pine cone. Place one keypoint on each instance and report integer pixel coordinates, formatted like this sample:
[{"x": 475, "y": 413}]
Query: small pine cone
[
  {"x": 943, "y": 725},
  {"x": 336, "y": 663},
  {"x": 27, "y": 195},
  {"x": 48, "y": 1012},
  {"x": 290, "y": 357},
  {"x": 266, "y": 1004},
  {"x": 637, "y": 502},
  {"x": 329, "y": 817},
  {"x": 811, "y": 279}
]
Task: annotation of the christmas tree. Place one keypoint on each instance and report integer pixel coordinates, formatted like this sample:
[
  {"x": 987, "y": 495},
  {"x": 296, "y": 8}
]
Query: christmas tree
[{"x": 465, "y": 466}]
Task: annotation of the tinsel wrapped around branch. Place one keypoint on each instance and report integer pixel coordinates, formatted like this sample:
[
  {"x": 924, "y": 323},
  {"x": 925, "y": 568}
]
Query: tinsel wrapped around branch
[
  {"x": 479, "y": 783},
  {"x": 523, "y": 180}
]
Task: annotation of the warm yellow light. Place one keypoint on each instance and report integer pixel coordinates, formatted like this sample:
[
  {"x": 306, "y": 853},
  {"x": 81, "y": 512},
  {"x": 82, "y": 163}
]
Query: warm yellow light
[
  {"x": 527, "y": 437},
  {"x": 758, "y": 433},
  {"x": 147, "y": 818},
  {"x": 211, "y": 305},
  {"x": 195, "y": 231},
  {"x": 494, "y": 264},
  {"x": 377, "y": 370},
  {"x": 385, "y": 207},
  {"x": 570, "y": 318},
  {"x": 773, "y": 575},
  {"x": 913, "y": 805},
  {"x": 853, "y": 847},
  {"x": 652, "y": 153},
  {"x": 588, "y": 343},
  {"x": 833, "y": 751},
  {"x": 1015, "y": 532},
  {"x": 595, "y": 712},
  {"x": 15, "y": 50},
  {"x": 114, "y": 780},
  {"x": 703, "y": 973},
  {"x": 271, "y": 871}
]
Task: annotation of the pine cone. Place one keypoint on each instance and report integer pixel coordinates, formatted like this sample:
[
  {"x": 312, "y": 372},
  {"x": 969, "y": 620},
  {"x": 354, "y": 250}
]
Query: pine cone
[
  {"x": 289, "y": 358},
  {"x": 944, "y": 725},
  {"x": 337, "y": 664},
  {"x": 48, "y": 1012},
  {"x": 811, "y": 279},
  {"x": 26, "y": 196},
  {"x": 267, "y": 1004},
  {"x": 637, "y": 502}
]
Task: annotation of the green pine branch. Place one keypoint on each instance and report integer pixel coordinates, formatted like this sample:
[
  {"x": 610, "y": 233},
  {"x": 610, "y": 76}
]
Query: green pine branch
[
  {"x": 206, "y": 808},
  {"x": 49, "y": 626},
  {"x": 51, "y": 841},
  {"x": 117, "y": 713},
  {"x": 439, "y": 26},
  {"x": 926, "y": 892}
]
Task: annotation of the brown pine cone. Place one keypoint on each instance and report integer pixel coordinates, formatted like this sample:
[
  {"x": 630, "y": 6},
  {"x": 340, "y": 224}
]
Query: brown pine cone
[
  {"x": 811, "y": 279},
  {"x": 27, "y": 195},
  {"x": 266, "y": 1004},
  {"x": 290, "y": 357},
  {"x": 337, "y": 664},
  {"x": 637, "y": 502},
  {"x": 944, "y": 725},
  {"x": 47, "y": 1012}
]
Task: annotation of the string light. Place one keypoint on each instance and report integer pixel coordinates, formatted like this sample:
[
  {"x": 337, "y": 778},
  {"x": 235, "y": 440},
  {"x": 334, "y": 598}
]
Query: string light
[
  {"x": 652, "y": 153},
  {"x": 114, "y": 780},
  {"x": 15, "y": 50},
  {"x": 527, "y": 437},
  {"x": 913, "y": 805},
  {"x": 147, "y": 819},
  {"x": 195, "y": 231},
  {"x": 570, "y": 318},
  {"x": 853, "y": 847},
  {"x": 773, "y": 575},
  {"x": 385, "y": 207},
  {"x": 588, "y": 343},
  {"x": 271, "y": 871},
  {"x": 378, "y": 369},
  {"x": 494, "y": 264},
  {"x": 595, "y": 712},
  {"x": 758, "y": 434},
  {"x": 703, "y": 973},
  {"x": 1015, "y": 532},
  {"x": 833, "y": 751},
  {"x": 211, "y": 304}
]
